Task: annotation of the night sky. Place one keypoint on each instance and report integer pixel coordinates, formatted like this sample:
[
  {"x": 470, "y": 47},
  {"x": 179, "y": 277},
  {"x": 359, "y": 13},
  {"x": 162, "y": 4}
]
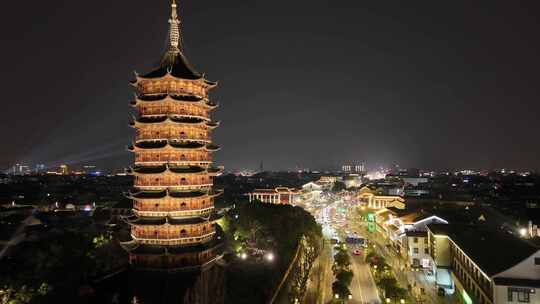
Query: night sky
[{"x": 313, "y": 84}]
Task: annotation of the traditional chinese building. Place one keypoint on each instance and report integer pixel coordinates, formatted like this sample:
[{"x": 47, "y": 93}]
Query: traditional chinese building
[
  {"x": 173, "y": 224},
  {"x": 278, "y": 195}
]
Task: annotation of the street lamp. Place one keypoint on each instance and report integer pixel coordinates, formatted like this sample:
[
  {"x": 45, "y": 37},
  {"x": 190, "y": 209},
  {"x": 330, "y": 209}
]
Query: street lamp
[
  {"x": 350, "y": 297},
  {"x": 402, "y": 301},
  {"x": 270, "y": 257},
  {"x": 336, "y": 296},
  {"x": 387, "y": 300}
]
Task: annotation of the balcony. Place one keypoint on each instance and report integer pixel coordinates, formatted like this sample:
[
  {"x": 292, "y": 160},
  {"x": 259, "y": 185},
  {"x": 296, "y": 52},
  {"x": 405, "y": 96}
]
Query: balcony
[
  {"x": 174, "y": 241},
  {"x": 167, "y": 136},
  {"x": 183, "y": 213}
]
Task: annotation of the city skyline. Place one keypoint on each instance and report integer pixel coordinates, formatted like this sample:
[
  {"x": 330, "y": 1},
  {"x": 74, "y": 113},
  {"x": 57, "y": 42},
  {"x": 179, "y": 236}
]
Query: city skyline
[{"x": 427, "y": 86}]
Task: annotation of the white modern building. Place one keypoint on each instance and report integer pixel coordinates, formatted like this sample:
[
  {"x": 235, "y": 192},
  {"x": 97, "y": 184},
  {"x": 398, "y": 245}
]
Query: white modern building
[{"x": 485, "y": 266}]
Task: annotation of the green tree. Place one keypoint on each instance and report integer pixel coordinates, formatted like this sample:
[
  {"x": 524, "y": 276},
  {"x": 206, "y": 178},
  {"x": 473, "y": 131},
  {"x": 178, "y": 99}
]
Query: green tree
[
  {"x": 345, "y": 277},
  {"x": 338, "y": 186},
  {"x": 341, "y": 289}
]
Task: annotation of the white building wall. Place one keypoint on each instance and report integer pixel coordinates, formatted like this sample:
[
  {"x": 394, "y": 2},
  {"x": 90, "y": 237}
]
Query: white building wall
[{"x": 523, "y": 270}]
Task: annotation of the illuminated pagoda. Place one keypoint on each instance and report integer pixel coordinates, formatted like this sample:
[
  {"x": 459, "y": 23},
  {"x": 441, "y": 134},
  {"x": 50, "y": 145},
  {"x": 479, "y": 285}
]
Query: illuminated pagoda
[{"x": 173, "y": 223}]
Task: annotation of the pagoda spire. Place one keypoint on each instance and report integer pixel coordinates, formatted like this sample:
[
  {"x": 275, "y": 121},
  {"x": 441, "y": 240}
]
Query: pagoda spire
[{"x": 174, "y": 29}]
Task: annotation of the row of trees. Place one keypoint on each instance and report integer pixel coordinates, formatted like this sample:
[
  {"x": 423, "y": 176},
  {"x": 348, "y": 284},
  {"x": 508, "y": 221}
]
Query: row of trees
[
  {"x": 342, "y": 272},
  {"x": 280, "y": 229},
  {"x": 384, "y": 279}
]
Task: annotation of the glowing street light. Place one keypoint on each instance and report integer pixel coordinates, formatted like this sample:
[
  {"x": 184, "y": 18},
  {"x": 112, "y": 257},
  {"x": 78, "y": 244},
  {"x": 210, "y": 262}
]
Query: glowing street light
[
  {"x": 336, "y": 296},
  {"x": 387, "y": 300},
  {"x": 350, "y": 297},
  {"x": 523, "y": 232},
  {"x": 243, "y": 255},
  {"x": 270, "y": 257},
  {"x": 402, "y": 301}
]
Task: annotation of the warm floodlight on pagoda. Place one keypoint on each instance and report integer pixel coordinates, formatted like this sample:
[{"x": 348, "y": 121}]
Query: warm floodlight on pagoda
[{"x": 173, "y": 226}]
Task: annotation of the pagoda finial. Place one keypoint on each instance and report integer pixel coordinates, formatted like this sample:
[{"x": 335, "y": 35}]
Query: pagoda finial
[{"x": 174, "y": 30}]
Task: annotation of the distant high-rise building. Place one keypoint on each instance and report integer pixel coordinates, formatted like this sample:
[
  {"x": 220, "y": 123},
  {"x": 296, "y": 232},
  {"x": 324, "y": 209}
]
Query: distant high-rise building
[
  {"x": 64, "y": 170},
  {"x": 353, "y": 168},
  {"x": 173, "y": 226},
  {"x": 40, "y": 168},
  {"x": 20, "y": 169}
]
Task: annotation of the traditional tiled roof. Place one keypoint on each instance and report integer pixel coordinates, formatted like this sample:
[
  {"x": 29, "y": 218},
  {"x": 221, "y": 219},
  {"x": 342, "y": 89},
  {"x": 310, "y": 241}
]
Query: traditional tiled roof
[{"x": 175, "y": 64}]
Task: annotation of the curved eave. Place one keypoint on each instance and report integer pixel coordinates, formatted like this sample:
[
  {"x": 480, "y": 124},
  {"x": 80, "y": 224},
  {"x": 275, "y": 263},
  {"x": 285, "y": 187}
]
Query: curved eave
[
  {"x": 162, "y": 169},
  {"x": 149, "y": 195},
  {"x": 164, "y": 97},
  {"x": 167, "y": 145},
  {"x": 159, "y": 221},
  {"x": 213, "y": 124},
  {"x": 210, "y": 84},
  {"x": 174, "y": 121},
  {"x": 212, "y": 148},
  {"x": 214, "y": 171}
]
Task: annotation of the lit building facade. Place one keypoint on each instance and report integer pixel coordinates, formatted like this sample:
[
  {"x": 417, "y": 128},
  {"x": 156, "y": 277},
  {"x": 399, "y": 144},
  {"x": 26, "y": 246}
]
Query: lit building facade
[
  {"x": 173, "y": 224},
  {"x": 279, "y": 195},
  {"x": 373, "y": 200}
]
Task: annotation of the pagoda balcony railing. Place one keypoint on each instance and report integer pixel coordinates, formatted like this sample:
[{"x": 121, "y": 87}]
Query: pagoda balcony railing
[
  {"x": 159, "y": 186},
  {"x": 172, "y": 159},
  {"x": 160, "y": 137},
  {"x": 174, "y": 241},
  {"x": 172, "y": 213},
  {"x": 173, "y": 111},
  {"x": 203, "y": 163}
]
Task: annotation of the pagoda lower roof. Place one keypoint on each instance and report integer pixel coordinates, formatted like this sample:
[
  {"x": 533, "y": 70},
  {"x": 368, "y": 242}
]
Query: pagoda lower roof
[
  {"x": 157, "y": 221},
  {"x": 147, "y": 249},
  {"x": 173, "y": 169},
  {"x": 158, "y": 144},
  {"x": 175, "y": 194}
]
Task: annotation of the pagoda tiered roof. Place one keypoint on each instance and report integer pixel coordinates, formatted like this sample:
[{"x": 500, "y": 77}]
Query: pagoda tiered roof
[
  {"x": 175, "y": 119},
  {"x": 191, "y": 145},
  {"x": 158, "y": 221},
  {"x": 147, "y": 249},
  {"x": 164, "y": 168},
  {"x": 160, "y": 97},
  {"x": 174, "y": 194},
  {"x": 174, "y": 169},
  {"x": 176, "y": 98}
]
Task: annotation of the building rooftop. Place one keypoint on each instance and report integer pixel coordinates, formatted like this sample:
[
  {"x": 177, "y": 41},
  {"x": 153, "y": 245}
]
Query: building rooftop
[{"x": 480, "y": 244}]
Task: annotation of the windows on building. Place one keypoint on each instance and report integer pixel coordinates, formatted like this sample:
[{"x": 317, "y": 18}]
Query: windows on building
[
  {"x": 521, "y": 295},
  {"x": 415, "y": 250},
  {"x": 426, "y": 250},
  {"x": 536, "y": 261}
]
